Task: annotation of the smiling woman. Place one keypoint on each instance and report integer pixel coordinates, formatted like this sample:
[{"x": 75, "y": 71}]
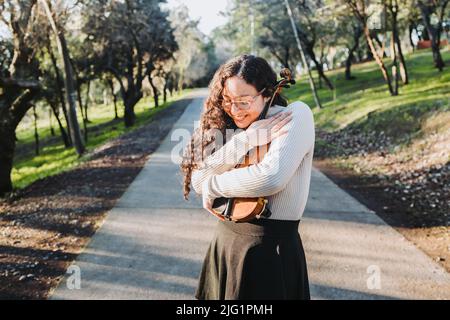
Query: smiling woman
[{"x": 261, "y": 258}]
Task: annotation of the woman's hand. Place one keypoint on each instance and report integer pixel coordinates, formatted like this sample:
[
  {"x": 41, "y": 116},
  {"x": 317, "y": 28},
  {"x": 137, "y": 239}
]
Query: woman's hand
[
  {"x": 208, "y": 201},
  {"x": 263, "y": 131}
]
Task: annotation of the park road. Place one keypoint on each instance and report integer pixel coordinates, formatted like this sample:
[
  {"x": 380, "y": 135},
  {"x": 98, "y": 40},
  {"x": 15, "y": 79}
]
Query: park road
[{"x": 152, "y": 243}]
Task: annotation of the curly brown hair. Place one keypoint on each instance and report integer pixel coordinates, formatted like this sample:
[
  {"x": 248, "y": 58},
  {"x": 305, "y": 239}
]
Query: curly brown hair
[{"x": 255, "y": 71}]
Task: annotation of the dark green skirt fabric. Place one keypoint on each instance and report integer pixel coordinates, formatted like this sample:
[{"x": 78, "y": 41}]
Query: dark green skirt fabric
[{"x": 261, "y": 259}]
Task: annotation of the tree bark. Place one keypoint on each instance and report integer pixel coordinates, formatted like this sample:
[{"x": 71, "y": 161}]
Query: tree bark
[
  {"x": 68, "y": 81},
  {"x": 403, "y": 67},
  {"x": 130, "y": 100},
  {"x": 7, "y": 149},
  {"x": 155, "y": 91},
  {"x": 64, "y": 135},
  {"x": 319, "y": 68},
  {"x": 10, "y": 116},
  {"x": 378, "y": 59},
  {"x": 411, "y": 28},
  {"x": 351, "y": 54},
  {"x": 18, "y": 90},
  {"x": 302, "y": 54},
  {"x": 165, "y": 91},
  {"x": 36, "y": 133},
  {"x": 86, "y": 101},
  {"x": 50, "y": 121},
  {"x": 434, "y": 33},
  {"x": 80, "y": 105},
  {"x": 59, "y": 90},
  {"x": 114, "y": 95}
]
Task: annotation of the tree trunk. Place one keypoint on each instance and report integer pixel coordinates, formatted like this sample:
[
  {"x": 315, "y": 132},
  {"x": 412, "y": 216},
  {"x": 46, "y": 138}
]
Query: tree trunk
[
  {"x": 129, "y": 115},
  {"x": 86, "y": 101},
  {"x": 59, "y": 90},
  {"x": 36, "y": 133},
  {"x": 114, "y": 95},
  {"x": 17, "y": 90},
  {"x": 411, "y": 28},
  {"x": 7, "y": 149},
  {"x": 319, "y": 68},
  {"x": 10, "y": 119},
  {"x": 50, "y": 121},
  {"x": 394, "y": 66},
  {"x": 348, "y": 62},
  {"x": 434, "y": 33},
  {"x": 348, "y": 65},
  {"x": 374, "y": 36},
  {"x": 80, "y": 105},
  {"x": 68, "y": 81},
  {"x": 403, "y": 68},
  {"x": 378, "y": 59},
  {"x": 155, "y": 91},
  {"x": 64, "y": 135},
  {"x": 369, "y": 53},
  {"x": 70, "y": 92},
  {"x": 165, "y": 91},
  {"x": 130, "y": 102},
  {"x": 302, "y": 54},
  {"x": 86, "y": 119}
]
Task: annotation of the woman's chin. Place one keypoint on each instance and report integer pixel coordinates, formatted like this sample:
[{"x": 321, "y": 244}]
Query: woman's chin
[{"x": 242, "y": 123}]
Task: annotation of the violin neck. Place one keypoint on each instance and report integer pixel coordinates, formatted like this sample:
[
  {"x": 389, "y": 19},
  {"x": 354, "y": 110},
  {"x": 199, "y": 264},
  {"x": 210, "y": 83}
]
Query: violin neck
[{"x": 263, "y": 113}]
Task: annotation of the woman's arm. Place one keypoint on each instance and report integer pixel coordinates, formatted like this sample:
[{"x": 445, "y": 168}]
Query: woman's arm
[
  {"x": 277, "y": 167},
  {"x": 222, "y": 160}
]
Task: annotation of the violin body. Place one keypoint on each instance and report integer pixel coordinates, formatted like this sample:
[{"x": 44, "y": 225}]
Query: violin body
[{"x": 244, "y": 209}]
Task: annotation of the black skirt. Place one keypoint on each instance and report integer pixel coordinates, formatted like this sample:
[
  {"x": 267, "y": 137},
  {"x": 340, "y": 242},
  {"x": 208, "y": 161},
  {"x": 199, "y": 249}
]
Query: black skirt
[{"x": 260, "y": 259}]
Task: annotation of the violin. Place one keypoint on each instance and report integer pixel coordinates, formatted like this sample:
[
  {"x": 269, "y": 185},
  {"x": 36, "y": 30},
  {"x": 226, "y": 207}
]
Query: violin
[{"x": 246, "y": 209}]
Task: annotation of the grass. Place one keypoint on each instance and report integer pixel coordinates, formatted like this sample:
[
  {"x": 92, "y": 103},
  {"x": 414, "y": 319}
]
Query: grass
[
  {"x": 366, "y": 104},
  {"x": 55, "y": 158}
]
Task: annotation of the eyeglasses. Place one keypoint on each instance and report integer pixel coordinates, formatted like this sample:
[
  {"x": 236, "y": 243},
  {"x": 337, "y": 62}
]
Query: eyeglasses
[{"x": 242, "y": 103}]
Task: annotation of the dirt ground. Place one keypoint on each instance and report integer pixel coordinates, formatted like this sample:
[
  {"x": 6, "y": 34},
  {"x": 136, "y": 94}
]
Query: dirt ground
[
  {"x": 426, "y": 230},
  {"x": 46, "y": 225}
]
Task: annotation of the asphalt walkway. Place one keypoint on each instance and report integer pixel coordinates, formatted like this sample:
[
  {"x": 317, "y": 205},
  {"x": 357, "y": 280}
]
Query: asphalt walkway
[{"x": 151, "y": 244}]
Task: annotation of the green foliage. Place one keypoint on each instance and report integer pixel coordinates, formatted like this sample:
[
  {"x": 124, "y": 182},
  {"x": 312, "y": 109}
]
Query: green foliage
[
  {"x": 54, "y": 158},
  {"x": 365, "y": 103}
]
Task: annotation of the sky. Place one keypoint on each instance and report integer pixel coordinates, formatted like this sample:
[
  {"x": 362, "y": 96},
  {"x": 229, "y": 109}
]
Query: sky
[{"x": 206, "y": 10}]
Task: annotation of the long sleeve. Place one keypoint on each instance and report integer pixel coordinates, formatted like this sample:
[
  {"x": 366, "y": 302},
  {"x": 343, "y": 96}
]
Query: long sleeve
[
  {"x": 224, "y": 159},
  {"x": 277, "y": 167}
]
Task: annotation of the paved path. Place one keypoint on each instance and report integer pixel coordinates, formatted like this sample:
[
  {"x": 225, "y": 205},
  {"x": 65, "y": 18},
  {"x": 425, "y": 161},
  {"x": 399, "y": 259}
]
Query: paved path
[{"x": 152, "y": 243}]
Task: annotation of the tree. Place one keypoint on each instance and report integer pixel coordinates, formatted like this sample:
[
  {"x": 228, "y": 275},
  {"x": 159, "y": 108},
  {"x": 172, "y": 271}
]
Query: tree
[
  {"x": 68, "y": 77},
  {"x": 300, "y": 48},
  {"x": 345, "y": 32},
  {"x": 191, "y": 60},
  {"x": 273, "y": 35},
  {"x": 358, "y": 7},
  {"x": 130, "y": 39},
  {"x": 427, "y": 9},
  {"x": 396, "y": 46},
  {"x": 54, "y": 91},
  {"x": 19, "y": 81}
]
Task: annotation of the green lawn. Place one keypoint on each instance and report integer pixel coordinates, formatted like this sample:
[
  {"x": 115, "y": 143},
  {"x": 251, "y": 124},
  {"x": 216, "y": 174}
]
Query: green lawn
[
  {"x": 55, "y": 158},
  {"x": 366, "y": 103}
]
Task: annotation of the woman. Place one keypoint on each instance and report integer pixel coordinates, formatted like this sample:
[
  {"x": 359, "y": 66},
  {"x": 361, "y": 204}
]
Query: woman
[{"x": 263, "y": 258}]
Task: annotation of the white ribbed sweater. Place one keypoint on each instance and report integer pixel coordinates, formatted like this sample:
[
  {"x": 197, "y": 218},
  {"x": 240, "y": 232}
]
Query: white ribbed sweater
[{"x": 283, "y": 176}]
